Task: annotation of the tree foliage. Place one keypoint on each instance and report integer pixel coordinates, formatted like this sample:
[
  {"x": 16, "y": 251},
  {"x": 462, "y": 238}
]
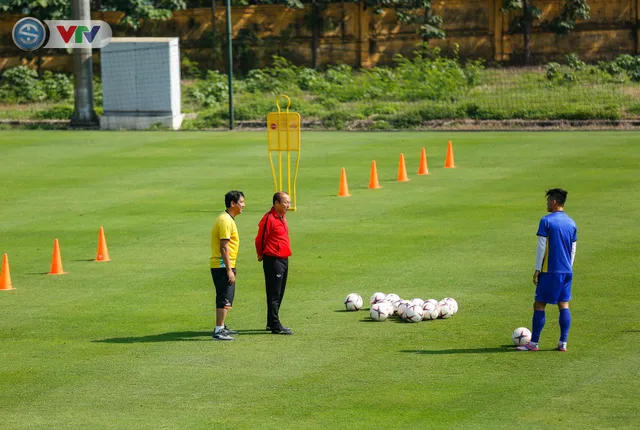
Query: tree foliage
[
  {"x": 572, "y": 11},
  {"x": 134, "y": 10},
  {"x": 417, "y": 12}
]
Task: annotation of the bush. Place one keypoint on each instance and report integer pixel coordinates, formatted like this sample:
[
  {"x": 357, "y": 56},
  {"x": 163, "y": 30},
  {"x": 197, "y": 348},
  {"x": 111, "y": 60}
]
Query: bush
[
  {"x": 56, "y": 112},
  {"x": 574, "y": 62},
  {"x": 210, "y": 92},
  {"x": 21, "y": 85},
  {"x": 553, "y": 71},
  {"x": 57, "y": 86}
]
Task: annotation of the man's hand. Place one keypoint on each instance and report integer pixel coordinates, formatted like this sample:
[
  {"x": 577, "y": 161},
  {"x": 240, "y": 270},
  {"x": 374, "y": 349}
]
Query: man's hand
[
  {"x": 231, "y": 276},
  {"x": 536, "y": 274},
  {"x": 259, "y": 257}
]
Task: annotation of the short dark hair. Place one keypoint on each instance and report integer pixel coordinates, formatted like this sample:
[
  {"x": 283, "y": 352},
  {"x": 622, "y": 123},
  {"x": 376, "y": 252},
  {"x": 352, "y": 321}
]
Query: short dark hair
[
  {"x": 232, "y": 196},
  {"x": 277, "y": 197},
  {"x": 558, "y": 195}
]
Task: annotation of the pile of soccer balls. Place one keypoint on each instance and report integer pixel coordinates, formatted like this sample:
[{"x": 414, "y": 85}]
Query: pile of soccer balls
[{"x": 384, "y": 306}]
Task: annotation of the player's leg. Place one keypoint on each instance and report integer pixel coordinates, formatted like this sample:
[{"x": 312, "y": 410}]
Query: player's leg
[
  {"x": 545, "y": 293},
  {"x": 538, "y": 321},
  {"x": 270, "y": 281},
  {"x": 285, "y": 273},
  {"x": 537, "y": 324},
  {"x": 278, "y": 276},
  {"x": 224, "y": 301},
  {"x": 565, "y": 313}
]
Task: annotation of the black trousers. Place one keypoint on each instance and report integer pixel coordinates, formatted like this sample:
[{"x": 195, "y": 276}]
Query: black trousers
[{"x": 275, "y": 279}]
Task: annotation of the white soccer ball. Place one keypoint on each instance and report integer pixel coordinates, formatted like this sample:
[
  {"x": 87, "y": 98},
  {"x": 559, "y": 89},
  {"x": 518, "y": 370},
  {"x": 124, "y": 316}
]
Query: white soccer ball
[
  {"x": 414, "y": 313},
  {"x": 434, "y": 301},
  {"x": 379, "y": 312},
  {"x": 389, "y": 306},
  {"x": 392, "y": 297},
  {"x": 445, "y": 310},
  {"x": 402, "y": 307},
  {"x": 353, "y": 302},
  {"x": 377, "y": 298},
  {"x": 521, "y": 336},
  {"x": 431, "y": 311},
  {"x": 417, "y": 301},
  {"x": 452, "y": 304},
  {"x": 396, "y": 304}
]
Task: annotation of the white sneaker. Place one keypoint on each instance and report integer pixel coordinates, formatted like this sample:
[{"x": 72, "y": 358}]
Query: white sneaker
[{"x": 222, "y": 335}]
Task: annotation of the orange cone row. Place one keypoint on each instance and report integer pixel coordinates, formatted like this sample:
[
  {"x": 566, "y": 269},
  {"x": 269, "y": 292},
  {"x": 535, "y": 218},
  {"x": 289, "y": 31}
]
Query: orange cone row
[
  {"x": 374, "y": 184},
  {"x": 56, "y": 261}
]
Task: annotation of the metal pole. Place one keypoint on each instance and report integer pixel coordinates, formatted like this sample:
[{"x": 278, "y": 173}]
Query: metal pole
[
  {"x": 83, "y": 113},
  {"x": 230, "y": 64}
]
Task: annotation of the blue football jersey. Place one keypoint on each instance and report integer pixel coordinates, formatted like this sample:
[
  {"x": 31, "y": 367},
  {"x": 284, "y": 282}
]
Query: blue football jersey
[{"x": 561, "y": 232}]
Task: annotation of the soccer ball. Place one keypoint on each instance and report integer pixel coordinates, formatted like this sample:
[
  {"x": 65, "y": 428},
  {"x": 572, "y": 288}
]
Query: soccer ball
[
  {"x": 402, "y": 307},
  {"x": 392, "y": 297},
  {"x": 417, "y": 301},
  {"x": 414, "y": 313},
  {"x": 521, "y": 336},
  {"x": 445, "y": 310},
  {"x": 353, "y": 302},
  {"x": 453, "y": 305},
  {"x": 377, "y": 298},
  {"x": 379, "y": 312},
  {"x": 389, "y": 306},
  {"x": 434, "y": 301},
  {"x": 431, "y": 311}
]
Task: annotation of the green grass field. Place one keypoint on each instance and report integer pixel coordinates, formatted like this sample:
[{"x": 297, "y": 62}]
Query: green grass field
[{"x": 126, "y": 344}]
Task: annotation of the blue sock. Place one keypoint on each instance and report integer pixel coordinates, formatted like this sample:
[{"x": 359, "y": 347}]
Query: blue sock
[
  {"x": 565, "y": 323},
  {"x": 537, "y": 325}
]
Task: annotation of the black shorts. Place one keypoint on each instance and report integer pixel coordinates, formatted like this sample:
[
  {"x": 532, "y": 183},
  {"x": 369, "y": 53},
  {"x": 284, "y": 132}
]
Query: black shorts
[{"x": 224, "y": 290}]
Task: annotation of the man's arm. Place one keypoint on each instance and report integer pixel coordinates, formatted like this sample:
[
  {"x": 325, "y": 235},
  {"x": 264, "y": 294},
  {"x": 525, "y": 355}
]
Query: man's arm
[
  {"x": 260, "y": 237},
  {"x": 573, "y": 252},
  {"x": 224, "y": 252},
  {"x": 540, "y": 251}
]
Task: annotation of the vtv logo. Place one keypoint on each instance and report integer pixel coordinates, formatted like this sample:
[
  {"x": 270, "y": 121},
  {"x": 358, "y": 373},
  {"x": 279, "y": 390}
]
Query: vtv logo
[
  {"x": 78, "y": 34},
  {"x": 78, "y": 31},
  {"x": 29, "y": 34}
]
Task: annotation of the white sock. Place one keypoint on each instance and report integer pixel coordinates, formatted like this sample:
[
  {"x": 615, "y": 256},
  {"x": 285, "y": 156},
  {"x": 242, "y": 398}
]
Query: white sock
[
  {"x": 562, "y": 345},
  {"x": 218, "y": 328},
  {"x": 534, "y": 343}
]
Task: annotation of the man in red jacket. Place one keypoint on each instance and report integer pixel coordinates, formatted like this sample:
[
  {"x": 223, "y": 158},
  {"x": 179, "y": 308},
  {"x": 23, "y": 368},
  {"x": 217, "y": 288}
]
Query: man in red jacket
[{"x": 272, "y": 246}]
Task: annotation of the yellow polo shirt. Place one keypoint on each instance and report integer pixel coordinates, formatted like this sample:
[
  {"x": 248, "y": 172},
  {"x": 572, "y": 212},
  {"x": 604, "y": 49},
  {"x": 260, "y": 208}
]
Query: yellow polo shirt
[{"x": 224, "y": 228}]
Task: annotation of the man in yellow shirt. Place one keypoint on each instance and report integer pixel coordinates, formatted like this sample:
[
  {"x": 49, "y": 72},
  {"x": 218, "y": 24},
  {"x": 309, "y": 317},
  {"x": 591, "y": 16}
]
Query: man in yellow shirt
[{"x": 225, "y": 242}]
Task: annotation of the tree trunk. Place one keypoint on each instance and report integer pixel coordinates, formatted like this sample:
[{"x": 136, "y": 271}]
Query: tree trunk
[
  {"x": 528, "y": 23},
  {"x": 425, "y": 38},
  {"x": 83, "y": 113},
  {"x": 315, "y": 38},
  {"x": 214, "y": 22}
]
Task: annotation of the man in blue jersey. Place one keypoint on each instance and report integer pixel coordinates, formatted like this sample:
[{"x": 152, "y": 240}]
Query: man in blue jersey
[{"x": 557, "y": 236}]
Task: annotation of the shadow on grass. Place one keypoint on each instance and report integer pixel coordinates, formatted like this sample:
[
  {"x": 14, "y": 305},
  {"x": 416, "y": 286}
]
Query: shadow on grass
[
  {"x": 176, "y": 336},
  {"x": 510, "y": 348}
]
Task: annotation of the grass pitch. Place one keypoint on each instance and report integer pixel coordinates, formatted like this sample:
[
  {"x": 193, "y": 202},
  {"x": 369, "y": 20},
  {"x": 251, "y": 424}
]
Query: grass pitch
[{"x": 126, "y": 344}]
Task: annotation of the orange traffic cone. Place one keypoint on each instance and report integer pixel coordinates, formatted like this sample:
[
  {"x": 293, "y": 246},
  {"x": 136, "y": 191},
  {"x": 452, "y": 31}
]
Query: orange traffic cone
[
  {"x": 5, "y": 275},
  {"x": 448, "y": 162},
  {"x": 103, "y": 253},
  {"x": 373, "y": 177},
  {"x": 56, "y": 260},
  {"x": 343, "y": 191},
  {"x": 402, "y": 170},
  {"x": 423, "y": 170}
]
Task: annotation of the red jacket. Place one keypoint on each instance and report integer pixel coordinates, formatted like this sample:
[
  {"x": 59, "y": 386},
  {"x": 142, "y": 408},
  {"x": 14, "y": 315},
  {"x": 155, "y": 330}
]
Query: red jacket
[{"x": 273, "y": 239}]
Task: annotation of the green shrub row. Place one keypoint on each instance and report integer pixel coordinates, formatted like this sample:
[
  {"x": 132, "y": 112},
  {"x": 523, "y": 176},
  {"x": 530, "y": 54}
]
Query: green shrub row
[{"x": 418, "y": 89}]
